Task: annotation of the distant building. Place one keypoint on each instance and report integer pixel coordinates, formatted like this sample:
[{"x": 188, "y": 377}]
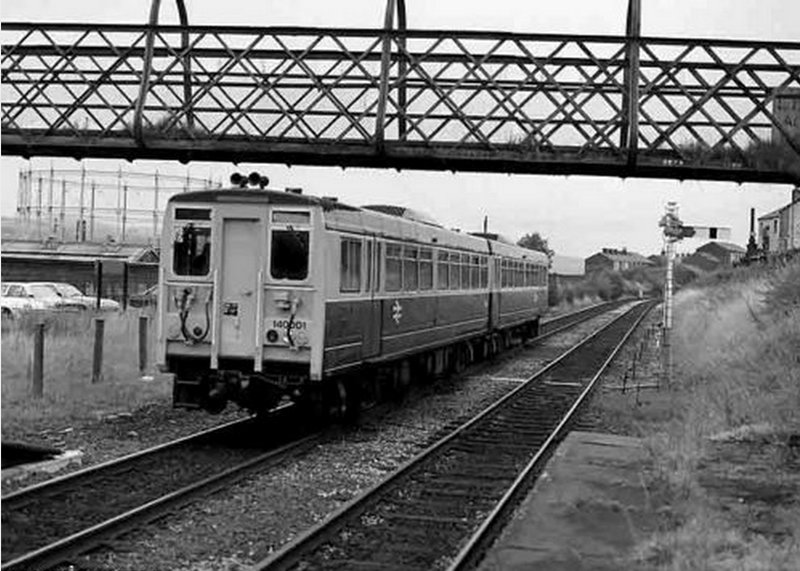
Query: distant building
[
  {"x": 565, "y": 270},
  {"x": 615, "y": 260},
  {"x": 75, "y": 263},
  {"x": 726, "y": 252},
  {"x": 713, "y": 256},
  {"x": 779, "y": 230}
]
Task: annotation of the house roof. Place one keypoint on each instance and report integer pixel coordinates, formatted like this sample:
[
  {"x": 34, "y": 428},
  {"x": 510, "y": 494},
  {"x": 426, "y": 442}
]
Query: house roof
[
  {"x": 772, "y": 214},
  {"x": 622, "y": 256},
  {"x": 731, "y": 247},
  {"x": 79, "y": 251}
]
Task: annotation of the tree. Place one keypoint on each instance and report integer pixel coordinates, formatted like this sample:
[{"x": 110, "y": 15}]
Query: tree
[{"x": 536, "y": 242}]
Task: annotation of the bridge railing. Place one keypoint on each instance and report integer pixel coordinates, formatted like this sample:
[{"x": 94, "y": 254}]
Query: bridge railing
[{"x": 410, "y": 99}]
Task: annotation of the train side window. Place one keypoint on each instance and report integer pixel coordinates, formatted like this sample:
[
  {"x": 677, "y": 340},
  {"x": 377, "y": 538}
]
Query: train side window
[
  {"x": 410, "y": 268},
  {"x": 191, "y": 250},
  {"x": 350, "y": 266},
  {"x": 425, "y": 268},
  {"x": 289, "y": 255},
  {"x": 394, "y": 267},
  {"x": 484, "y": 269},
  {"x": 475, "y": 272},
  {"x": 368, "y": 277},
  {"x": 442, "y": 270},
  {"x": 455, "y": 271},
  {"x": 378, "y": 264}
]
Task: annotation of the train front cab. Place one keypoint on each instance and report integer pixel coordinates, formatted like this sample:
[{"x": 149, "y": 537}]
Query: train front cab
[{"x": 237, "y": 299}]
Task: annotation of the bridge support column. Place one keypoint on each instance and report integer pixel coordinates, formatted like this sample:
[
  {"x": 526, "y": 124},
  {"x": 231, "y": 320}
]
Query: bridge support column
[{"x": 629, "y": 134}]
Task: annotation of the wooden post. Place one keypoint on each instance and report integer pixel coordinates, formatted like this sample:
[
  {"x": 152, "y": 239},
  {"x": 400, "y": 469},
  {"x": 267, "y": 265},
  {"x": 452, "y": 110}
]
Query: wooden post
[
  {"x": 38, "y": 360},
  {"x": 143, "y": 322},
  {"x": 125, "y": 291},
  {"x": 98, "y": 282},
  {"x": 97, "y": 360}
]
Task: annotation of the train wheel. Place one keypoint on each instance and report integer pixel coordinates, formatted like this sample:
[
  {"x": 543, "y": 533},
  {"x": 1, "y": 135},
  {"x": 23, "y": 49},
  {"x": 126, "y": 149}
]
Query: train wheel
[{"x": 344, "y": 403}]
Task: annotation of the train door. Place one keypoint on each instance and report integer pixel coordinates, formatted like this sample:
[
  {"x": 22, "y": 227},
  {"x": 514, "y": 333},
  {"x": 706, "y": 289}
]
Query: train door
[
  {"x": 241, "y": 260},
  {"x": 371, "y": 345}
]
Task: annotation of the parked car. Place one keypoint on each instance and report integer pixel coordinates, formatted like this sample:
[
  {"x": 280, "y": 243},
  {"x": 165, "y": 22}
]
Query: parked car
[
  {"x": 57, "y": 295},
  {"x": 16, "y": 300},
  {"x": 71, "y": 296},
  {"x": 145, "y": 299}
]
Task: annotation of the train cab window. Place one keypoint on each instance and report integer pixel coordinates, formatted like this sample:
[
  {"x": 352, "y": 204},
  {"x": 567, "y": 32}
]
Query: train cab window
[
  {"x": 425, "y": 269},
  {"x": 289, "y": 254},
  {"x": 191, "y": 250},
  {"x": 410, "y": 268},
  {"x": 350, "y": 267},
  {"x": 442, "y": 270},
  {"x": 394, "y": 267}
]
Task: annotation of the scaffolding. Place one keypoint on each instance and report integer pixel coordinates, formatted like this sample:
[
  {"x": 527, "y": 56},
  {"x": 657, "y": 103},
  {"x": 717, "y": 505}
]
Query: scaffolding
[{"x": 83, "y": 205}]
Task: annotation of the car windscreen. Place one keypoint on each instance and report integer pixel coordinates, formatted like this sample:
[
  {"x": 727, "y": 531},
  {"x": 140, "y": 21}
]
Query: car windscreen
[{"x": 68, "y": 290}]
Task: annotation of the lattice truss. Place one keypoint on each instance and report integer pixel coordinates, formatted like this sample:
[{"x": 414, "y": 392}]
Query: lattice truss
[{"x": 591, "y": 98}]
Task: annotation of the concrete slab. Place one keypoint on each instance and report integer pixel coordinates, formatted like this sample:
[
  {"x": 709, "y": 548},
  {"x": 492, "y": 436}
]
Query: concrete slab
[
  {"x": 586, "y": 511},
  {"x": 58, "y": 463}
]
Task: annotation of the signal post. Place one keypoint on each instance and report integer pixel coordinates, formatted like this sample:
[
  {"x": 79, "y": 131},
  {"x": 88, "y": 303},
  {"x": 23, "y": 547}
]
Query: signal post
[{"x": 674, "y": 231}]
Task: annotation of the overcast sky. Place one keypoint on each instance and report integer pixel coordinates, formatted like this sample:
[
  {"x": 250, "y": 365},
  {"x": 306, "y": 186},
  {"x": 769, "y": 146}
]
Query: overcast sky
[{"x": 577, "y": 214}]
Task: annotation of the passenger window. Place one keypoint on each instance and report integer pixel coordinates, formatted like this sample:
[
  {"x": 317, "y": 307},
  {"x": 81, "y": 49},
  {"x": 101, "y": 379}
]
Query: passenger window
[
  {"x": 474, "y": 272},
  {"x": 442, "y": 271},
  {"x": 350, "y": 268},
  {"x": 410, "y": 268},
  {"x": 425, "y": 269},
  {"x": 368, "y": 277},
  {"x": 191, "y": 250},
  {"x": 394, "y": 271},
  {"x": 289, "y": 255},
  {"x": 455, "y": 271}
]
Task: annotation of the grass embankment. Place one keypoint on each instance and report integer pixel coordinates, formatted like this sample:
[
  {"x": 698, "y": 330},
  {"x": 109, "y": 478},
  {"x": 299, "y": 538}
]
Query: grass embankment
[
  {"x": 68, "y": 391},
  {"x": 726, "y": 457}
]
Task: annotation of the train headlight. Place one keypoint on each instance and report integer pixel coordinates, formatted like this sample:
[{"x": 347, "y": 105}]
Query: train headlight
[{"x": 272, "y": 336}]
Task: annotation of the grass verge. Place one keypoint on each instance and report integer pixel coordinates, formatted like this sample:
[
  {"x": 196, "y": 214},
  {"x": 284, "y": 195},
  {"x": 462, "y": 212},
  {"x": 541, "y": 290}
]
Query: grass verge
[
  {"x": 69, "y": 393},
  {"x": 728, "y": 456}
]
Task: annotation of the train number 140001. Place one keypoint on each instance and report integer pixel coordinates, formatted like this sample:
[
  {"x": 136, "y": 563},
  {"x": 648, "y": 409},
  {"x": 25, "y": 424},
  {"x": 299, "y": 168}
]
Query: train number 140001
[{"x": 283, "y": 323}]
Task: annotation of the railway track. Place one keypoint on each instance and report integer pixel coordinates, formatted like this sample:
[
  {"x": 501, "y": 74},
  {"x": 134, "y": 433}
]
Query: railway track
[
  {"x": 53, "y": 521},
  {"x": 443, "y": 508}
]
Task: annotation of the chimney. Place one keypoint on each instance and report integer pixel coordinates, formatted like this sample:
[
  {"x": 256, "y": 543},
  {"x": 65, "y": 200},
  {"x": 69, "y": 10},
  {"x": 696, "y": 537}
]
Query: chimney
[{"x": 753, "y": 219}]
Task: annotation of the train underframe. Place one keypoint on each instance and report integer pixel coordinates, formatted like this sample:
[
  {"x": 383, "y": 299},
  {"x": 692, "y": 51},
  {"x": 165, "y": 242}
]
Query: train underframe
[{"x": 338, "y": 396}]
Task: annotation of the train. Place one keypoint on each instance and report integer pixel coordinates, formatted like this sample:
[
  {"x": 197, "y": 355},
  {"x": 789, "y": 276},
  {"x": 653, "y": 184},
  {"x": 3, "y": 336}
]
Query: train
[{"x": 268, "y": 295}]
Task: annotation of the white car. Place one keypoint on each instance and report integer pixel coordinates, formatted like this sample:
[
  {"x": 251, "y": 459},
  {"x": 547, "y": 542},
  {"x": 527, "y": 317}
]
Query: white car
[
  {"x": 17, "y": 299},
  {"x": 57, "y": 295},
  {"x": 70, "y": 297}
]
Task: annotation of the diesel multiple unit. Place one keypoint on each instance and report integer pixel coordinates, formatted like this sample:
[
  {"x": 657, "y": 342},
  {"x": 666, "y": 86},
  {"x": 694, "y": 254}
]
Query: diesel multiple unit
[{"x": 270, "y": 294}]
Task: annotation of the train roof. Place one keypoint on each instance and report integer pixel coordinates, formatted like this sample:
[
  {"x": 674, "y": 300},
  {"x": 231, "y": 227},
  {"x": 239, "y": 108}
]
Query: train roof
[
  {"x": 259, "y": 196},
  {"x": 393, "y": 222}
]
